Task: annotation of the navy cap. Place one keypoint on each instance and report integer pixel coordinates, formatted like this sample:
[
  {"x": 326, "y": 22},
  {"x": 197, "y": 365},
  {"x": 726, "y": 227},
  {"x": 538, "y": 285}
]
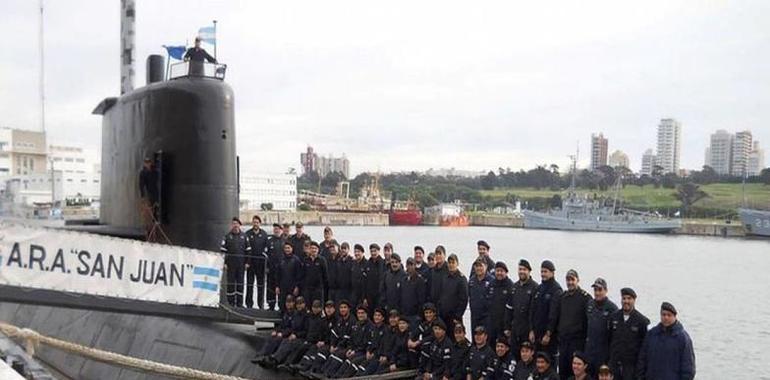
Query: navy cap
[
  {"x": 547, "y": 264},
  {"x": 600, "y": 283},
  {"x": 628, "y": 292},
  {"x": 665, "y": 306},
  {"x": 544, "y": 355}
]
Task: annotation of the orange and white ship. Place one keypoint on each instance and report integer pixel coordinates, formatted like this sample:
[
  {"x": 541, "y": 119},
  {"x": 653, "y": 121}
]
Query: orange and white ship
[{"x": 446, "y": 215}]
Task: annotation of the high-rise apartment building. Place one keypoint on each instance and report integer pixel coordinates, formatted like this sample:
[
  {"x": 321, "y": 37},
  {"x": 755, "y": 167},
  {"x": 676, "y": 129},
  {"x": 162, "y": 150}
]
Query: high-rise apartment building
[
  {"x": 756, "y": 160},
  {"x": 742, "y": 146},
  {"x": 669, "y": 148},
  {"x": 598, "y": 151},
  {"x": 649, "y": 161},
  {"x": 720, "y": 152},
  {"x": 313, "y": 162}
]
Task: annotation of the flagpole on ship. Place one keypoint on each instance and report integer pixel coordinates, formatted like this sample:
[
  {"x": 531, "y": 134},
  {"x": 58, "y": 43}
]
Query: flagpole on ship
[{"x": 215, "y": 39}]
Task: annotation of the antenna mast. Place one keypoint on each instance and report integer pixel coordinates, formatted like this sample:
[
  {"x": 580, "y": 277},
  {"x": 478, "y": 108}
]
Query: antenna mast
[{"x": 42, "y": 71}]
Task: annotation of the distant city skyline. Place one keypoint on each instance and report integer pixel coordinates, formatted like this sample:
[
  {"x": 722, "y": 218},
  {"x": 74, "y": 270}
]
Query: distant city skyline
[{"x": 517, "y": 85}]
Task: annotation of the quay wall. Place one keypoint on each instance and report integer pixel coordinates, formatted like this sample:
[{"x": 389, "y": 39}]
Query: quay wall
[{"x": 317, "y": 218}]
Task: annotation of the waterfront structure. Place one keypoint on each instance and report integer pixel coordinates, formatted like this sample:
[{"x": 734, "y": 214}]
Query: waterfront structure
[
  {"x": 742, "y": 146},
  {"x": 756, "y": 160},
  {"x": 669, "y": 148},
  {"x": 278, "y": 190},
  {"x": 619, "y": 159},
  {"x": 649, "y": 161},
  {"x": 313, "y": 162},
  {"x": 720, "y": 152},
  {"x": 598, "y": 151}
]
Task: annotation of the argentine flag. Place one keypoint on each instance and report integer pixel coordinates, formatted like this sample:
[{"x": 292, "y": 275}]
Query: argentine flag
[
  {"x": 206, "y": 278},
  {"x": 208, "y": 34}
]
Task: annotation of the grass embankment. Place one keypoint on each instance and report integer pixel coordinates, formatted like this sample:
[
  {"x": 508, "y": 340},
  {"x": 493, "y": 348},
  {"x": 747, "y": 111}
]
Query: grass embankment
[{"x": 723, "y": 198}]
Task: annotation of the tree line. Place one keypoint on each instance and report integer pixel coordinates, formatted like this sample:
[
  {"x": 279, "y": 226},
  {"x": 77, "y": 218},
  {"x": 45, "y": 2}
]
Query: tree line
[{"x": 430, "y": 190}]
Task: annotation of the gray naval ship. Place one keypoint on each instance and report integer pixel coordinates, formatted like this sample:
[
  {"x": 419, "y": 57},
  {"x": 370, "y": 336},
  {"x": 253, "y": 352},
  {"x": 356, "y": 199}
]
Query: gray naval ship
[
  {"x": 756, "y": 222},
  {"x": 582, "y": 213}
]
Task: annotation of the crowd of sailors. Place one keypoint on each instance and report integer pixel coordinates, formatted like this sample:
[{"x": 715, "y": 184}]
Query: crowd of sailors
[{"x": 346, "y": 315}]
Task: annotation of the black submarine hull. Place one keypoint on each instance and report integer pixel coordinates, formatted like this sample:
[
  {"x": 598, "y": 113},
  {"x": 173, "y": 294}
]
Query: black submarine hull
[
  {"x": 188, "y": 126},
  {"x": 215, "y": 347}
]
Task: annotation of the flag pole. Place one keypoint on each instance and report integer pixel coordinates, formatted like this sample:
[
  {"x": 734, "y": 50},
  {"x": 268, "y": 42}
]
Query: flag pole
[
  {"x": 215, "y": 39},
  {"x": 168, "y": 62}
]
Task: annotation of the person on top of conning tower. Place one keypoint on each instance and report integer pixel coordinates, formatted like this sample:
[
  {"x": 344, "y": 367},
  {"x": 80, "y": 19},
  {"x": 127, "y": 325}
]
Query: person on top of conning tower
[
  {"x": 148, "y": 182},
  {"x": 198, "y": 54}
]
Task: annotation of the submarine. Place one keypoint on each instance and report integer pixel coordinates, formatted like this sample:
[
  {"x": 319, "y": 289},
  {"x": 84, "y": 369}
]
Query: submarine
[{"x": 185, "y": 124}]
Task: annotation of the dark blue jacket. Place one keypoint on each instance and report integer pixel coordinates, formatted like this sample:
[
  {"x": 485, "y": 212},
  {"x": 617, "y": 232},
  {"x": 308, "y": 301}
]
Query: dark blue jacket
[
  {"x": 258, "y": 242},
  {"x": 544, "y": 308},
  {"x": 390, "y": 289},
  {"x": 518, "y": 309},
  {"x": 479, "y": 293},
  {"x": 598, "y": 336},
  {"x": 666, "y": 354},
  {"x": 500, "y": 297},
  {"x": 289, "y": 274},
  {"x": 412, "y": 295}
]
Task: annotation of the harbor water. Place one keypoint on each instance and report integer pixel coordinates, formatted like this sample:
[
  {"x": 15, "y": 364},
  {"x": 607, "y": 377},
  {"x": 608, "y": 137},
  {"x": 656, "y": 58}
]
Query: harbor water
[{"x": 715, "y": 283}]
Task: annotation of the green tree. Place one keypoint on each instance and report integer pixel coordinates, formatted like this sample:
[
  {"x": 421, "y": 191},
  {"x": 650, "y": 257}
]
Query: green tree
[
  {"x": 489, "y": 181},
  {"x": 765, "y": 176},
  {"x": 689, "y": 193}
]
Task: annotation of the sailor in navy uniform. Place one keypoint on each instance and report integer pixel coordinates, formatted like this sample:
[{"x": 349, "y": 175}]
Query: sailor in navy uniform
[{"x": 235, "y": 248}]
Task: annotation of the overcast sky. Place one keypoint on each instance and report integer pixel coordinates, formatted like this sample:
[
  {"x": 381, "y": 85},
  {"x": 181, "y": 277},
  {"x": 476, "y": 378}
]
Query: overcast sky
[{"x": 415, "y": 85}]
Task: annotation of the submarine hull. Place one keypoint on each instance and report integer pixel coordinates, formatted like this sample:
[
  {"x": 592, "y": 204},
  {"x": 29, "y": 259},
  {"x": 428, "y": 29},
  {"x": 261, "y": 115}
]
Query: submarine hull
[
  {"x": 214, "y": 347},
  {"x": 187, "y": 125}
]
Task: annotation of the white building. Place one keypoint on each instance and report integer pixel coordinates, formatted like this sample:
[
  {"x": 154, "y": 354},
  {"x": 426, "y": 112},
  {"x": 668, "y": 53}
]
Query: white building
[
  {"x": 756, "y": 160},
  {"x": 618, "y": 159},
  {"x": 280, "y": 190},
  {"x": 649, "y": 160},
  {"x": 598, "y": 151},
  {"x": 21, "y": 152},
  {"x": 720, "y": 152},
  {"x": 742, "y": 146},
  {"x": 73, "y": 159},
  {"x": 669, "y": 145}
]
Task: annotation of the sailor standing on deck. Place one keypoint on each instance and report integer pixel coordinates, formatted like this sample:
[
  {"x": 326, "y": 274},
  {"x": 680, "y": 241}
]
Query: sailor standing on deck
[
  {"x": 600, "y": 310},
  {"x": 482, "y": 248},
  {"x": 274, "y": 253},
  {"x": 479, "y": 291},
  {"x": 571, "y": 323},
  {"x": 288, "y": 276},
  {"x": 628, "y": 327},
  {"x": 667, "y": 352},
  {"x": 148, "y": 186},
  {"x": 236, "y": 248},
  {"x": 315, "y": 275},
  {"x": 298, "y": 240},
  {"x": 501, "y": 291},
  {"x": 521, "y": 302},
  {"x": 543, "y": 311},
  {"x": 257, "y": 238},
  {"x": 196, "y": 55},
  {"x": 375, "y": 269}
]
